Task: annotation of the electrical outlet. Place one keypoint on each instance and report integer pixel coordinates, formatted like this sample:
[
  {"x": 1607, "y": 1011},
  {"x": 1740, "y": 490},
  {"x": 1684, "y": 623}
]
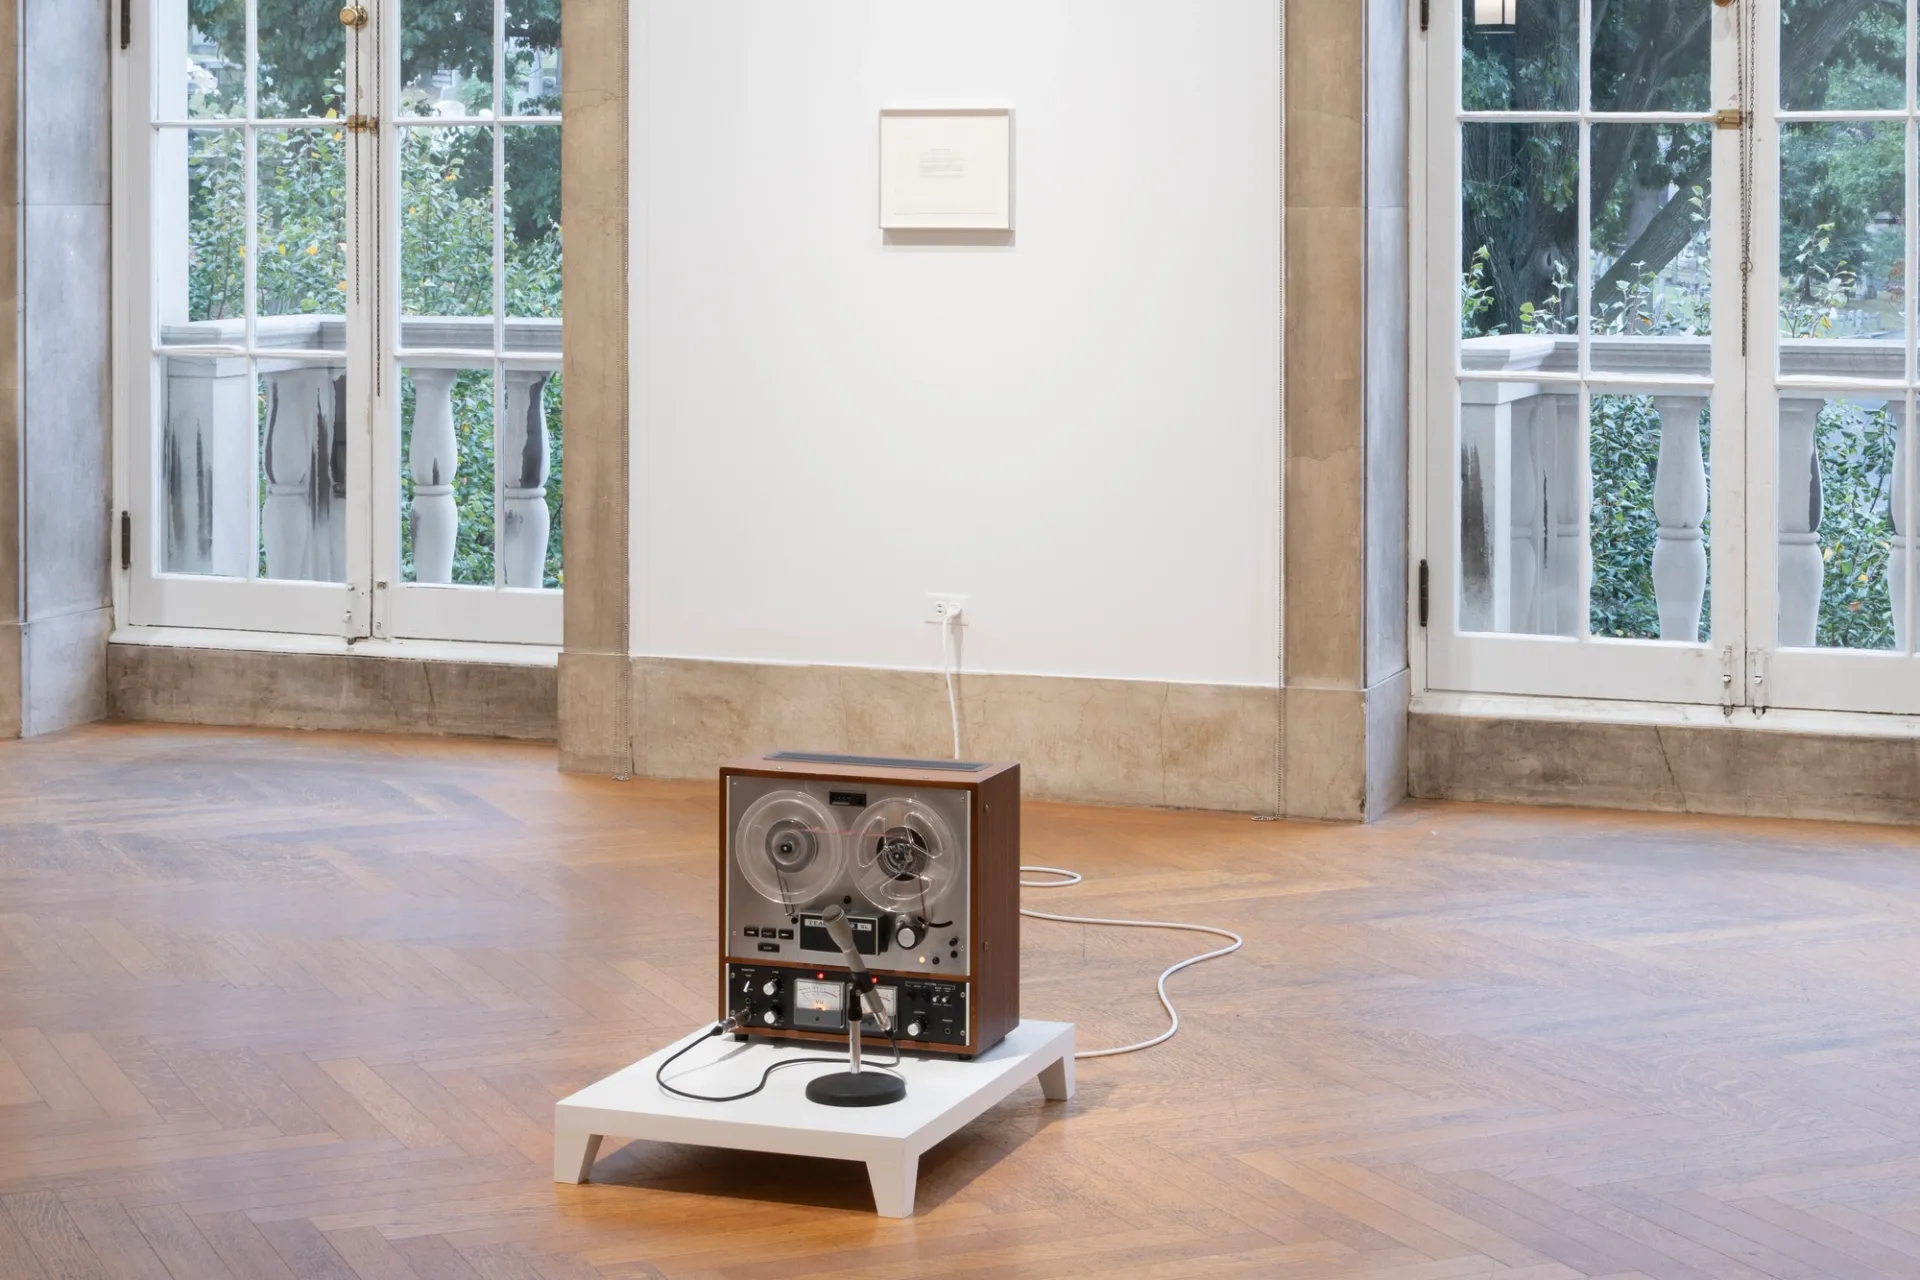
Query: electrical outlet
[{"x": 941, "y": 606}]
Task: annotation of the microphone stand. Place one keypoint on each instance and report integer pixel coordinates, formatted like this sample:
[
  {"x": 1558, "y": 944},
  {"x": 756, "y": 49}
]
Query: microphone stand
[{"x": 854, "y": 1087}]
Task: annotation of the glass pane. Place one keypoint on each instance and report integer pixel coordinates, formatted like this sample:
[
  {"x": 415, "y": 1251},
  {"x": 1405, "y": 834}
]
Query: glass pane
[
  {"x": 1843, "y": 55},
  {"x": 213, "y": 244},
  {"x": 1519, "y": 218},
  {"x": 1842, "y": 243},
  {"x": 446, "y": 58},
  {"x": 303, "y": 51},
  {"x": 446, "y": 479},
  {"x": 533, "y": 57},
  {"x": 216, "y": 64},
  {"x": 1519, "y": 508},
  {"x": 1651, "y": 55},
  {"x": 1651, "y": 280},
  {"x": 302, "y": 275},
  {"x": 533, "y": 222},
  {"x": 1652, "y": 529},
  {"x": 1520, "y": 55},
  {"x": 303, "y": 471},
  {"x": 446, "y": 235},
  {"x": 1838, "y": 478},
  {"x": 206, "y": 465}
]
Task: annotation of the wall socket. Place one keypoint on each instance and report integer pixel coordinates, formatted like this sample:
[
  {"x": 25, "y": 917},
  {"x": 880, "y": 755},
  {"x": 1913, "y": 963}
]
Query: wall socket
[{"x": 941, "y": 605}]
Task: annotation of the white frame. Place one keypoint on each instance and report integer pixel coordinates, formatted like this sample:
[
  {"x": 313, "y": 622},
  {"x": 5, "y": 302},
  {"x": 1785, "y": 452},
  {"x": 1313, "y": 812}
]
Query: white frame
[
  {"x": 363, "y": 606},
  {"x": 985, "y": 133}
]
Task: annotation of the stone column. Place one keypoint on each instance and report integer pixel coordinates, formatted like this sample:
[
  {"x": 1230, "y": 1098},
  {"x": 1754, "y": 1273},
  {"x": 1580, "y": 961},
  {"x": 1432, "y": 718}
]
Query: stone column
[
  {"x": 525, "y": 523},
  {"x": 1347, "y": 684},
  {"x": 56, "y": 545}
]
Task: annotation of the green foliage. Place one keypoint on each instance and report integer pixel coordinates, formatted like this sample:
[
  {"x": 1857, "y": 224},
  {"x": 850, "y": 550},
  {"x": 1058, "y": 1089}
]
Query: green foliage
[
  {"x": 1855, "y": 449},
  {"x": 1623, "y": 443}
]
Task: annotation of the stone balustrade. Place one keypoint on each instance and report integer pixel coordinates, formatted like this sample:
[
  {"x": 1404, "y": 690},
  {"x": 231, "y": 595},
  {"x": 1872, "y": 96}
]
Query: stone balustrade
[
  {"x": 1520, "y": 480},
  {"x": 207, "y": 446}
]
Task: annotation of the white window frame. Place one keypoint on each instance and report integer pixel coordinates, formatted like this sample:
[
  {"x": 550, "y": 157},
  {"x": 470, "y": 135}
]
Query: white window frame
[{"x": 371, "y": 603}]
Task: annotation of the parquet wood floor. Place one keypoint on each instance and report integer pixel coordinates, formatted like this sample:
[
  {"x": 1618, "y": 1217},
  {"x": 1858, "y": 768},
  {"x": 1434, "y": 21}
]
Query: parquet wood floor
[{"x": 280, "y": 1005}]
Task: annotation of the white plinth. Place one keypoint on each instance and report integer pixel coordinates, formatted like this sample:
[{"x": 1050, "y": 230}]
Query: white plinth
[{"x": 942, "y": 1095}]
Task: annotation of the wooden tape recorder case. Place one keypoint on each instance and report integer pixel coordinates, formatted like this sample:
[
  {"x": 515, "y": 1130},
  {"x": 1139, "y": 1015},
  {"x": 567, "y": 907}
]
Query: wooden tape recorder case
[{"x": 924, "y": 858}]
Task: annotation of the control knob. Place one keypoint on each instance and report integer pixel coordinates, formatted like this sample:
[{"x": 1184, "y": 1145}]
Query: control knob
[
  {"x": 769, "y": 1017},
  {"x": 907, "y": 937},
  {"x": 913, "y": 1031},
  {"x": 771, "y": 986}
]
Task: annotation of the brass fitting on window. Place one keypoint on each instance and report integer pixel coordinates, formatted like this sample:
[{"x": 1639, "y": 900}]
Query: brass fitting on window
[{"x": 353, "y": 15}]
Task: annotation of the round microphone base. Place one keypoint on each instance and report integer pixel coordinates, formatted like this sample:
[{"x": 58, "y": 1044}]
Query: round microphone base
[{"x": 862, "y": 1089}]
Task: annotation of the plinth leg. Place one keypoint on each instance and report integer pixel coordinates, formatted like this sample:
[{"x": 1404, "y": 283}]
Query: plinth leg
[
  {"x": 893, "y": 1179},
  {"x": 573, "y": 1155},
  {"x": 1056, "y": 1081}
]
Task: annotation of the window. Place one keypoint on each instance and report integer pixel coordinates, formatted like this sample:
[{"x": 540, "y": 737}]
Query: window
[
  {"x": 340, "y": 256},
  {"x": 1650, "y": 473}
]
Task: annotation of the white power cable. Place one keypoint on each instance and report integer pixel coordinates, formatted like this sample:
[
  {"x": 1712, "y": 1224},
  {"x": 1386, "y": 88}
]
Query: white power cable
[
  {"x": 1173, "y": 1014},
  {"x": 1074, "y": 877}
]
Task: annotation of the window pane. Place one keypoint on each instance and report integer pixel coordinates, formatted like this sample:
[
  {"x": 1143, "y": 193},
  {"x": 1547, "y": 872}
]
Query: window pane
[
  {"x": 213, "y": 243},
  {"x": 1519, "y": 508},
  {"x": 206, "y": 465},
  {"x": 1520, "y": 55},
  {"x": 554, "y": 574},
  {"x": 216, "y": 64},
  {"x": 446, "y": 483},
  {"x": 533, "y": 57},
  {"x": 303, "y": 471},
  {"x": 1651, "y": 55},
  {"x": 1519, "y": 218},
  {"x": 446, "y": 58},
  {"x": 302, "y": 238},
  {"x": 446, "y": 234},
  {"x": 533, "y": 221},
  {"x": 1838, "y": 478},
  {"x": 303, "y": 52},
  {"x": 1842, "y": 238},
  {"x": 1650, "y": 518},
  {"x": 1843, "y": 55},
  {"x": 1651, "y": 277}
]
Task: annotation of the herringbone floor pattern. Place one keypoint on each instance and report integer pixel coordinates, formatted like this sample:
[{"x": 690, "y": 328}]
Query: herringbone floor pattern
[{"x": 283, "y": 1005}]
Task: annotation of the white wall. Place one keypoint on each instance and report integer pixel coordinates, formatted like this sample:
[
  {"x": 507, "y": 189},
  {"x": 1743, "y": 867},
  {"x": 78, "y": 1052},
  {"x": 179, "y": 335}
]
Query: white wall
[{"x": 1077, "y": 429}]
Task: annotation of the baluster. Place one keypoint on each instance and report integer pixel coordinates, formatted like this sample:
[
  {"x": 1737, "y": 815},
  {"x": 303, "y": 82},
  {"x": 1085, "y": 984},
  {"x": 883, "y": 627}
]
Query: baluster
[
  {"x": 1528, "y": 527},
  {"x": 301, "y": 526},
  {"x": 1486, "y": 487},
  {"x": 525, "y": 524},
  {"x": 1565, "y": 484},
  {"x": 1903, "y": 534},
  {"x": 433, "y": 456},
  {"x": 1798, "y": 511},
  {"x": 1680, "y": 507}
]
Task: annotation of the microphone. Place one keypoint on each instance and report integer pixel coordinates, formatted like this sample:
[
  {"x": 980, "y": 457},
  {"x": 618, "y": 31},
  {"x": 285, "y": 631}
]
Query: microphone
[{"x": 841, "y": 932}]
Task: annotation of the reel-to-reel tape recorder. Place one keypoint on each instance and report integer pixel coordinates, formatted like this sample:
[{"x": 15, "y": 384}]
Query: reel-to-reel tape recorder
[{"x": 923, "y": 857}]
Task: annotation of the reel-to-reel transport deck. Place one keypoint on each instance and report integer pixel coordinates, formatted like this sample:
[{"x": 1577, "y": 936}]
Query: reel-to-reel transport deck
[{"x": 923, "y": 856}]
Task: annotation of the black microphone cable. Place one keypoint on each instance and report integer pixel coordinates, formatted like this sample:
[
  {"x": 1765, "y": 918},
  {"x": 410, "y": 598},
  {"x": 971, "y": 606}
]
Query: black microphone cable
[{"x": 721, "y": 1028}]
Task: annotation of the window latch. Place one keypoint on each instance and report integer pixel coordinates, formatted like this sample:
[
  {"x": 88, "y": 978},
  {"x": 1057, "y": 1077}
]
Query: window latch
[
  {"x": 353, "y": 15},
  {"x": 362, "y": 124},
  {"x": 1729, "y": 118}
]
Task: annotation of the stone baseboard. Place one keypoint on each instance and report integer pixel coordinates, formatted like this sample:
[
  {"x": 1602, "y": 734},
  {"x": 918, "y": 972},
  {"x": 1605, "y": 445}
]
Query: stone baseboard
[
  {"x": 1720, "y": 769},
  {"x": 183, "y": 685},
  {"x": 1128, "y": 742}
]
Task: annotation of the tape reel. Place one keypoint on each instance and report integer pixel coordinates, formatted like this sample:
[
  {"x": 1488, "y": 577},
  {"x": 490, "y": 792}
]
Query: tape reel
[
  {"x": 905, "y": 856},
  {"x": 789, "y": 848}
]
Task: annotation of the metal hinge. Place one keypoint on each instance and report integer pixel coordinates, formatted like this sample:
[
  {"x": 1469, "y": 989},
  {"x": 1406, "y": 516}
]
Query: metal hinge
[
  {"x": 362, "y": 124},
  {"x": 1424, "y": 15},
  {"x": 1728, "y": 118},
  {"x": 1757, "y": 695},
  {"x": 126, "y": 541},
  {"x": 1423, "y": 593},
  {"x": 126, "y": 24},
  {"x": 1726, "y": 680}
]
